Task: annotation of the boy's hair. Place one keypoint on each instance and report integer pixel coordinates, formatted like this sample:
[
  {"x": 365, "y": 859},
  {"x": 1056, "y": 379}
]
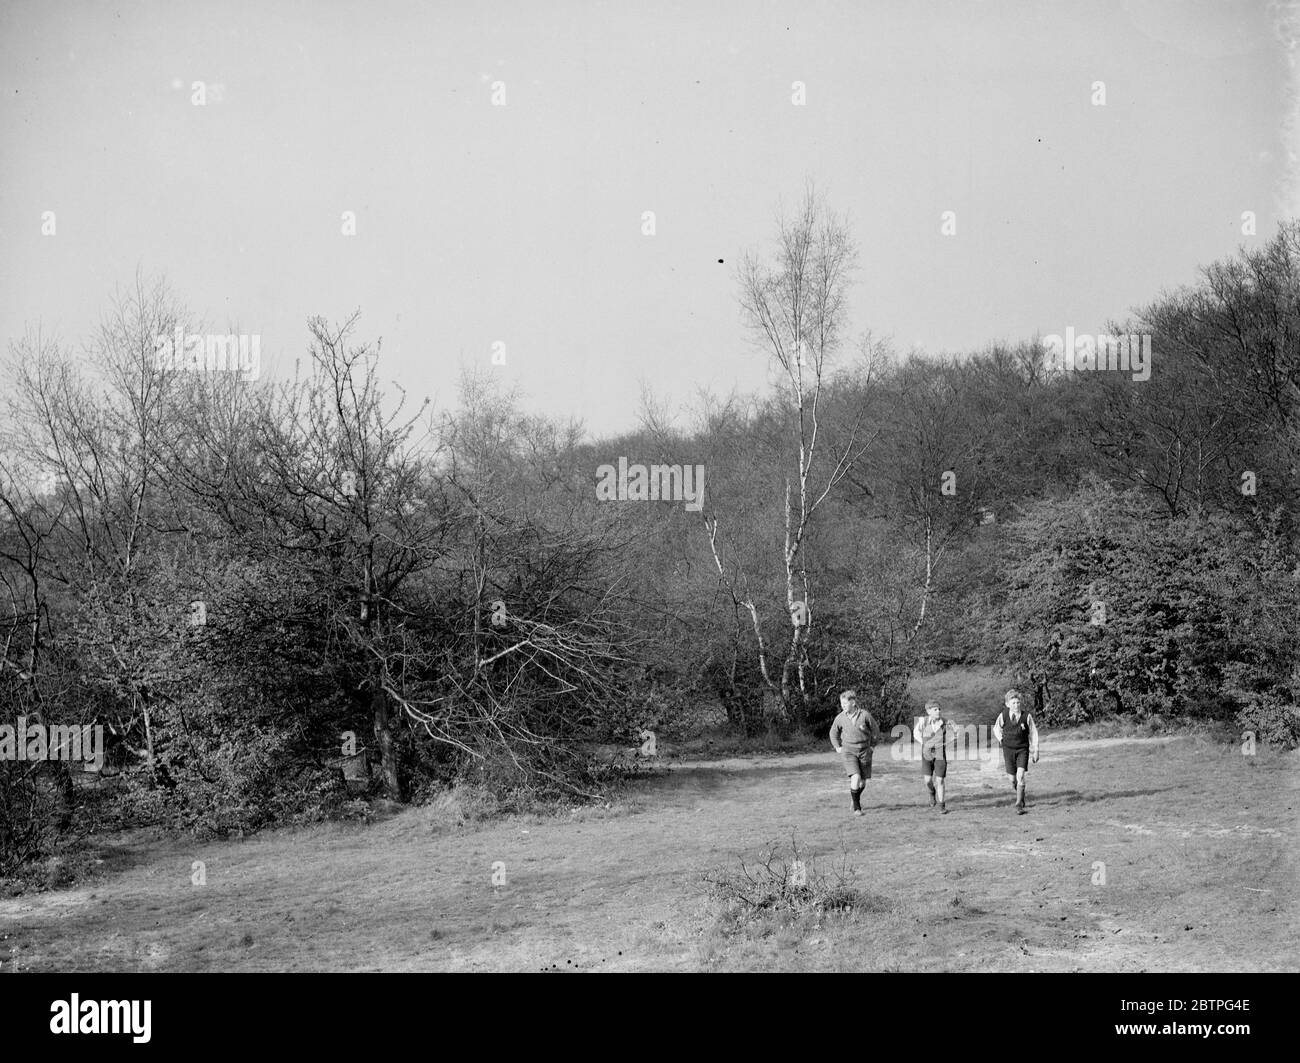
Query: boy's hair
[
  {"x": 933, "y": 705},
  {"x": 1012, "y": 693}
]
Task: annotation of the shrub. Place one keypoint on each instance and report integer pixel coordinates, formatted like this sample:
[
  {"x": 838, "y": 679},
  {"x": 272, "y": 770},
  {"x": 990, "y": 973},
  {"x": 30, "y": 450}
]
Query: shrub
[
  {"x": 1111, "y": 608},
  {"x": 785, "y": 880},
  {"x": 1274, "y": 722},
  {"x": 28, "y": 816}
]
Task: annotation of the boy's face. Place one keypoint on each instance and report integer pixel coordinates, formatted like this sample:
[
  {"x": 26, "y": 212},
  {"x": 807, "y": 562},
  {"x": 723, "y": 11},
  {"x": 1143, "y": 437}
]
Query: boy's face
[
  {"x": 849, "y": 703},
  {"x": 932, "y": 711},
  {"x": 1013, "y": 704}
]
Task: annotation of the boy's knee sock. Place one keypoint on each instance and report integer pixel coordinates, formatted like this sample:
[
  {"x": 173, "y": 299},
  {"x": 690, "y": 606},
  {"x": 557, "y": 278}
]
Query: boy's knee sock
[{"x": 857, "y": 797}]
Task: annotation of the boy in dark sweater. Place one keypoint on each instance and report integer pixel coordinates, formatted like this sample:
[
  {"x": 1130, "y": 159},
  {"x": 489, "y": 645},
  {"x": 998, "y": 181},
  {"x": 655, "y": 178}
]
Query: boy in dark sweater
[{"x": 853, "y": 734}]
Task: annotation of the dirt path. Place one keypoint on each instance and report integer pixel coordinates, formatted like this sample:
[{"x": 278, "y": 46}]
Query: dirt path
[{"x": 1197, "y": 844}]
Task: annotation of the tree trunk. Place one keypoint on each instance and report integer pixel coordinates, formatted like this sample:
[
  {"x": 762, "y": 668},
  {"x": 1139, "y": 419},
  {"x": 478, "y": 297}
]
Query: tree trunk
[
  {"x": 792, "y": 698},
  {"x": 378, "y": 696},
  {"x": 384, "y": 740},
  {"x": 67, "y": 793}
]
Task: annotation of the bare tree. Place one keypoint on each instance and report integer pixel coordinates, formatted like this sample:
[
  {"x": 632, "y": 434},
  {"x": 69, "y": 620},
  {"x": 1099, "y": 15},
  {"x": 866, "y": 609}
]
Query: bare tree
[
  {"x": 93, "y": 433},
  {"x": 936, "y": 470},
  {"x": 796, "y": 310}
]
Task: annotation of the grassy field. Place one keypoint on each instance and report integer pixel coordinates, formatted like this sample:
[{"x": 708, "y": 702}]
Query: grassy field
[{"x": 1198, "y": 844}]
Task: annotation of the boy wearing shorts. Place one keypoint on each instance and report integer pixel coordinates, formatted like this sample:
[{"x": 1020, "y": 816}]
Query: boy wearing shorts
[
  {"x": 930, "y": 732},
  {"x": 853, "y": 734},
  {"x": 1016, "y": 733}
]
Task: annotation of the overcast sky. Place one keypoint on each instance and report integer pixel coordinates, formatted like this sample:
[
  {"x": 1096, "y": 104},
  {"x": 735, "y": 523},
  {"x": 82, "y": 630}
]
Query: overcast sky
[{"x": 522, "y": 223}]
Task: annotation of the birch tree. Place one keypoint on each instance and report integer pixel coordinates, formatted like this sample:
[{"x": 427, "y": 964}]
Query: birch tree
[{"x": 795, "y": 308}]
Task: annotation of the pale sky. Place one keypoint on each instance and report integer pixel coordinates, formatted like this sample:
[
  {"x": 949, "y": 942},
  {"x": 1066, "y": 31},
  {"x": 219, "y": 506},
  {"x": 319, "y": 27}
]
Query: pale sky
[{"x": 523, "y": 223}]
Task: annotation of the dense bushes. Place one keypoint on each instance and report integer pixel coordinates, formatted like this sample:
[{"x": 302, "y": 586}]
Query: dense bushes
[{"x": 1110, "y": 606}]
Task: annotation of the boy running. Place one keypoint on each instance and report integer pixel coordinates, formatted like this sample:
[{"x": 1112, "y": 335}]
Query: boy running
[
  {"x": 853, "y": 734},
  {"x": 930, "y": 732},
  {"x": 1016, "y": 733}
]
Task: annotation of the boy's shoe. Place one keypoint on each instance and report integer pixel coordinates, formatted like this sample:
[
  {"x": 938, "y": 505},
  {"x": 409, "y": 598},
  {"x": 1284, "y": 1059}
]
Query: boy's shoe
[
  {"x": 857, "y": 811},
  {"x": 933, "y": 800},
  {"x": 1020, "y": 810},
  {"x": 943, "y": 808}
]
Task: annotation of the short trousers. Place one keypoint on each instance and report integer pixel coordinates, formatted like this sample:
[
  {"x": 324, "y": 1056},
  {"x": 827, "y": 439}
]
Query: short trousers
[
  {"x": 938, "y": 766},
  {"x": 1015, "y": 758},
  {"x": 857, "y": 763}
]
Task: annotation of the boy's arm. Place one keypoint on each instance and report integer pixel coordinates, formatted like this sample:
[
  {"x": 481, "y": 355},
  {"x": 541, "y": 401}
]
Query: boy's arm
[
  {"x": 997, "y": 730},
  {"x": 835, "y": 734},
  {"x": 875, "y": 727},
  {"x": 1033, "y": 739},
  {"x": 916, "y": 731}
]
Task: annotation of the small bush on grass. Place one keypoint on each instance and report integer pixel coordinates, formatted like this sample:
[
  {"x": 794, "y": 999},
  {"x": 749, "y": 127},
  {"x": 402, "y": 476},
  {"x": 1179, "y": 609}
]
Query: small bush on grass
[{"x": 785, "y": 879}]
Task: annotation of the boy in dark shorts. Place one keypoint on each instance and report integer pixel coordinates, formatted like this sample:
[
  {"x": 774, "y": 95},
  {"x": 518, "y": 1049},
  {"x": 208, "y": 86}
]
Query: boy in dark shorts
[
  {"x": 1016, "y": 733},
  {"x": 930, "y": 732},
  {"x": 853, "y": 734}
]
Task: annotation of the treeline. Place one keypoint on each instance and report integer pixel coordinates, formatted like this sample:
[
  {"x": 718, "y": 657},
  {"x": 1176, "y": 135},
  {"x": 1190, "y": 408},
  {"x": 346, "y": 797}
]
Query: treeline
[
  {"x": 256, "y": 588},
  {"x": 1123, "y": 541}
]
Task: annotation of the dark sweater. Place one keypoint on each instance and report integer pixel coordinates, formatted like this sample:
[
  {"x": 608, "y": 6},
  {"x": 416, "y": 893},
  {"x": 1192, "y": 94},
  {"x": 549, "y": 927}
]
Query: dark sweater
[{"x": 856, "y": 731}]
